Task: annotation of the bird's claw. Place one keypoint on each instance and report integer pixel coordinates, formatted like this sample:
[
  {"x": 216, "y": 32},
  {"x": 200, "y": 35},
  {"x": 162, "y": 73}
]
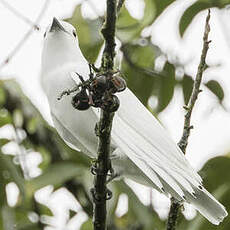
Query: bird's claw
[
  {"x": 94, "y": 168},
  {"x": 112, "y": 177},
  {"x": 98, "y": 198},
  {"x": 109, "y": 194}
]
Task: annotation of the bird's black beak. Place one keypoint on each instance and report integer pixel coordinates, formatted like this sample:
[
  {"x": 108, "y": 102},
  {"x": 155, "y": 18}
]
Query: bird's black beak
[{"x": 56, "y": 26}]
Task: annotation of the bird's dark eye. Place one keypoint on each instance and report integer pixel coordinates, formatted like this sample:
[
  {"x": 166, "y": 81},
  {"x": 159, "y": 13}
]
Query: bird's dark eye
[{"x": 74, "y": 34}]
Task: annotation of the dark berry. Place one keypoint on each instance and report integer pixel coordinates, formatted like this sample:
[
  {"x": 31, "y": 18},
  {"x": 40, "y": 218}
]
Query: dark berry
[
  {"x": 112, "y": 105},
  {"x": 81, "y": 100},
  {"x": 118, "y": 82},
  {"x": 99, "y": 85}
]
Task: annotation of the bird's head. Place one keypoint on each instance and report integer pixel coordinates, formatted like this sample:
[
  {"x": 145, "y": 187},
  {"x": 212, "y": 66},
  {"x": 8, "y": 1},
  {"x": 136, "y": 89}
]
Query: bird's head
[
  {"x": 60, "y": 45},
  {"x": 60, "y": 29}
]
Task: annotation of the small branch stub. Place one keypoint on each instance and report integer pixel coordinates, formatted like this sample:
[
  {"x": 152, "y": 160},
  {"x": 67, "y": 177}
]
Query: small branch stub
[{"x": 174, "y": 209}]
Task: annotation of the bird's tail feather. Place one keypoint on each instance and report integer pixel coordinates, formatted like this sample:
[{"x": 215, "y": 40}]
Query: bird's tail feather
[{"x": 207, "y": 205}]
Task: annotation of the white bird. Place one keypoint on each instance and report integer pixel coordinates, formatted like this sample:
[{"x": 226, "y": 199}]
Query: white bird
[{"x": 141, "y": 148}]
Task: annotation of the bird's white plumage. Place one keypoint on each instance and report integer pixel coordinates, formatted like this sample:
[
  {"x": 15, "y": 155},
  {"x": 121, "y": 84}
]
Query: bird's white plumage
[{"x": 141, "y": 148}]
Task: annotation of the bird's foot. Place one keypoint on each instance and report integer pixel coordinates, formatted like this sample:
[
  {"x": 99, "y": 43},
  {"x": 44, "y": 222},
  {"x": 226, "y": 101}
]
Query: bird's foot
[
  {"x": 112, "y": 177},
  {"x": 98, "y": 198},
  {"x": 94, "y": 168},
  {"x": 111, "y": 173}
]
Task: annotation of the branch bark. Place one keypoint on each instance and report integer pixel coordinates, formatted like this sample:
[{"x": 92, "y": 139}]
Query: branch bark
[
  {"x": 103, "y": 165},
  {"x": 108, "y": 32},
  {"x": 173, "y": 213}
]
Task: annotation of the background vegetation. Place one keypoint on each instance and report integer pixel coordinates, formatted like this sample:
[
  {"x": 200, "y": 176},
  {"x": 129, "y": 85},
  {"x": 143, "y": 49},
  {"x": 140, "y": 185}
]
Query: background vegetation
[{"x": 63, "y": 167}]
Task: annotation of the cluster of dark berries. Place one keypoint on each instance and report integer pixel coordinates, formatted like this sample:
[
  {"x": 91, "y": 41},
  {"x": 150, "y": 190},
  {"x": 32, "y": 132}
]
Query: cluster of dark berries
[{"x": 99, "y": 92}]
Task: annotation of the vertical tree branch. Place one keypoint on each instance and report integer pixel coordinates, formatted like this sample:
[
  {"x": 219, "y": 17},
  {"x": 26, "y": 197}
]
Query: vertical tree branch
[
  {"x": 108, "y": 32},
  {"x": 173, "y": 213},
  {"x": 100, "y": 192}
]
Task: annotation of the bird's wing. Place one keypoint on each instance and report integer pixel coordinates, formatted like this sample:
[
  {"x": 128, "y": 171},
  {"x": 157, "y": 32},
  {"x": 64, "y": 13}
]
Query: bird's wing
[
  {"x": 141, "y": 137},
  {"x": 148, "y": 145}
]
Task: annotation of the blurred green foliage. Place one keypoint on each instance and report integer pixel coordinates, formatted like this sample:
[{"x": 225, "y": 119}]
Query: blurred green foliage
[
  {"x": 63, "y": 167},
  {"x": 196, "y": 8}
]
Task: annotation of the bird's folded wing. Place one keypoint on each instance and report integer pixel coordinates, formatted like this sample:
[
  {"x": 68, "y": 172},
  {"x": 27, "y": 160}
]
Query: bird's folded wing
[
  {"x": 146, "y": 143},
  {"x": 141, "y": 137}
]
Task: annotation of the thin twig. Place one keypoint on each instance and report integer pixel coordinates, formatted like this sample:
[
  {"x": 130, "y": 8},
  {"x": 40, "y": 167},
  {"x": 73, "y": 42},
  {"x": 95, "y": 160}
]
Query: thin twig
[
  {"x": 100, "y": 192},
  {"x": 25, "y": 37},
  {"x": 171, "y": 224},
  {"x": 19, "y": 15}
]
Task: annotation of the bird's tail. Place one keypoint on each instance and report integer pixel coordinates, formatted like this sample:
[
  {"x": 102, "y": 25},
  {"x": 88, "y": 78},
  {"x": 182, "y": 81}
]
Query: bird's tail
[{"x": 207, "y": 205}]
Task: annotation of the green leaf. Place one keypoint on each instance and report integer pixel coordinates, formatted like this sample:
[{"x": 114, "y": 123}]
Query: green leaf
[
  {"x": 90, "y": 39},
  {"x": 141, "y": 56},
  {"x": 44, "y": 210},
  {"x": 137, "y": 67},
  {"x": 126, "y": 26},
  {"x": 88, "y": 225},
  {"x": 129, "y": 28},
  {"x": 22, "y": 220},
  {"x": 187, "y": 85},
  {"x": 72, "y": 213},
  {"x": 46, "y": 158},
  {"x": 216, "y": 89},
  {"x": 166, "y": 86},
  {"x": 140, "y": 83},
  {"x": 2, "y": 96},
  {"x": 10, "y": 172},
  {"x": 56, "y": 174},
  {"x": 149, "y": 13},
  {"x": 31, "y": 125},
  {"x": 18, "y": 118},
  {"x": 162, "y": 5},
  {"x": 4, "y": 141},
  {"x": 197, "y": 7},
  {"x": 5, "y": 117},
  {"x": 8, "y": 218},
  {"x": 137, "y": 211}
]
